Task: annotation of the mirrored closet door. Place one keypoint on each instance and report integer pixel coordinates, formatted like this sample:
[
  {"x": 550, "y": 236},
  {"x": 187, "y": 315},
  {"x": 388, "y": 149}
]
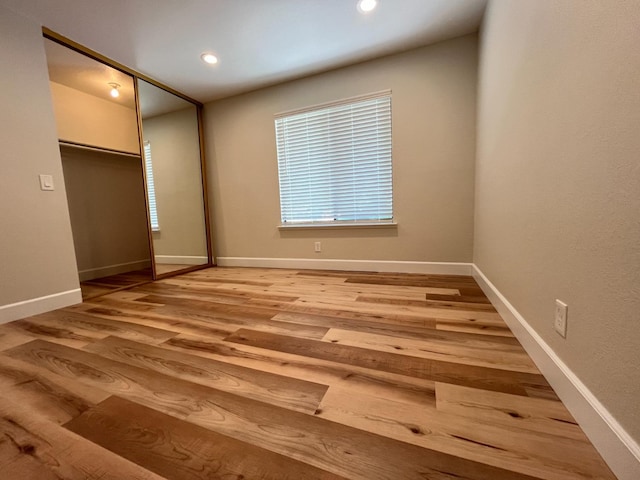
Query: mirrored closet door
[
  {"x": 174, "y": 175},
  {"x": 133, "y": 170},
  {"x": 96, "y": 119}
]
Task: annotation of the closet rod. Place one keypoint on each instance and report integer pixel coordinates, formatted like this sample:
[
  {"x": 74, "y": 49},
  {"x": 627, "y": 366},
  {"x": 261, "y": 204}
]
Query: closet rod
[{"x": 67, "y": 143}]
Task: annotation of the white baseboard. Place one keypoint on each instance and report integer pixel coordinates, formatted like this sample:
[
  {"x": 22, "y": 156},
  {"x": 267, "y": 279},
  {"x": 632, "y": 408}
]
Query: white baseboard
[
  {"x": 617, "y": 447},
  {"x": 107, "y": 270},
  {"x": 440, "y": 268},
  {"x": 181, "y": 260},
  {"x": 34, "y": 306}
]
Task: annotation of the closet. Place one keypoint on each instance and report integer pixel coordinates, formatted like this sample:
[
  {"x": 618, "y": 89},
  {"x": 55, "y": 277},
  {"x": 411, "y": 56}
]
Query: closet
[{"x": 131, "y": 153}]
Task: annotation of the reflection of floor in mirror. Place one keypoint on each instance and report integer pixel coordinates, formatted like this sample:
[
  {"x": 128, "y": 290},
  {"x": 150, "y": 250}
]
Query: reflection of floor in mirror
[
  {"x": 170, "y": 267},
  {"x": 102, "y": 286}
]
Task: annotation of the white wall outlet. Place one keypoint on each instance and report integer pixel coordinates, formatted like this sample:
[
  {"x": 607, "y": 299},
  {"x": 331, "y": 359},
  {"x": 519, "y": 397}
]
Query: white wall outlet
[
  {"x": 46, "y": 182},
  {"x": 317, "y": 247},
  {"x": 560, "y": 322}
]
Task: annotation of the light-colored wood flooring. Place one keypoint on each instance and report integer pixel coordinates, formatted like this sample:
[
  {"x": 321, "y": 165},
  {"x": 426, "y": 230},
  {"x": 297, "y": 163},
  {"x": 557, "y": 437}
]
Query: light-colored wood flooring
[
  {"x": 231, "y": 373},
  {"x": 162, "y": 268},
  {"x": 101, "y": 286}
]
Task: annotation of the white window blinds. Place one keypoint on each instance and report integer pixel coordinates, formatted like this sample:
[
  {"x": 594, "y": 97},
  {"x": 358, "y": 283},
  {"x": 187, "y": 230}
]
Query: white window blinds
[
  {"x": 334, "y": 162},
  {"x": 151, "y": 191}
]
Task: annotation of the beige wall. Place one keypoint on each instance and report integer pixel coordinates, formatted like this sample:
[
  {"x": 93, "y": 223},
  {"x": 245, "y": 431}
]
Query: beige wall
[
  {"x": 36, "y": 246},
  {"x": 106, "y": 203},
  {"x": 175, "y": 154},
  {"x": 558, "y": 182},
  {"x": 434, "y": 101},
  {"x": 87, "y": 119}
]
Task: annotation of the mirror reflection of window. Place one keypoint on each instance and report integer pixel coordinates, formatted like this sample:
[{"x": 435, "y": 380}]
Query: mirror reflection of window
[
  {"x": 151, "y": 189},
  {"x": 172, "y": 159}
]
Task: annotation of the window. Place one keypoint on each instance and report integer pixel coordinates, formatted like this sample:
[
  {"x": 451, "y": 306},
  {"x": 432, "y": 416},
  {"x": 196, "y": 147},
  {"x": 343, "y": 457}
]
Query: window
[
  {"x": 334, "y": 162},
  {"x": 151, "y": 191}
]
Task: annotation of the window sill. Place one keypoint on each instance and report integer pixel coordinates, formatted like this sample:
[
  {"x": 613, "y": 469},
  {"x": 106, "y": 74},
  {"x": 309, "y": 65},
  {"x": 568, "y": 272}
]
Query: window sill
[{"x": 336, "y": 225}]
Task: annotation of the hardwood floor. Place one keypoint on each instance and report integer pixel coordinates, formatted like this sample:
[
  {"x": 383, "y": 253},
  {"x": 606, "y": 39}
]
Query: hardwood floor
[
  {"x": 101, "y": 286},
  {"x": 230, "y": 373}
]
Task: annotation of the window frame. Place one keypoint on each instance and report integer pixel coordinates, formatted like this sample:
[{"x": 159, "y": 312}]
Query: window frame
[{"x": 386, "y": 163}]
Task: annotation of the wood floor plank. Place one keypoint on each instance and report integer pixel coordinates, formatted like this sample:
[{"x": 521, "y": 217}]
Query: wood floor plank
[
  {"x": 78, "y": 329},
  {"x": 413, "y": 280},
  {"x": 533, "y": 414},
  {"x": 457, "y": 298},
  {"x": 54, "y": 397},
  {"x": 334, "y": 310},
  {"x": 193, "y": 288},
  {"x": 90, "y": 291},
  {"x": 300, "y": 283},
  {"x": 477, "y": 327},
  {"x": 148, "y": 388},
  {"x": 459, "y": 374},
  {"x": 303, "y": 396},
  {"x": 233, "y": 316},
  {"x": 291, "y": 292},
  {"x": 237, "y": 282},
  {"x": 326, "y": 445},
  {"x": 473, "y": 352},
  {"x": 425, "y": 303},
  {"x": 401, "y": 387},
  {"x": 397, "y": 311},
  {"x": 176, "y": 449},
  {"x": 65, "y": 336},
  {"x": 34, "y": 448},
  {"x": 509, "y": 448},
  {"x": 102, "y": 286},
  {"x": 192, "y": 321},
  {"x": 242, "y": 311},
  {"x": 175, "y": 320},
  {"x": 10, "y": 338},
  {"x": 454, "y": 339},
  {"x": 164, "y": 288},
  {"x": 383, "y": 326},
  {"x": 91, "y": 325},
  {"x": 371, "y": 326}
]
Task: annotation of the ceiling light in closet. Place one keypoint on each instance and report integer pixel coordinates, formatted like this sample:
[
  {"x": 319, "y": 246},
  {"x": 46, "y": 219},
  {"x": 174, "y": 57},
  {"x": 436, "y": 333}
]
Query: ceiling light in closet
[
  {"x": 115, "y": 93},
  {"x": 365, "y": 6},
  {"x": 209, "y": 58}
]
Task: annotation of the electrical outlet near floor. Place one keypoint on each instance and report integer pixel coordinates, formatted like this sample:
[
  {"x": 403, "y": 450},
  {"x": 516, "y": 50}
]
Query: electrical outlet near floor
[
  {"x": 318, "y": 247},
  {"x": 560, "y": 322}
]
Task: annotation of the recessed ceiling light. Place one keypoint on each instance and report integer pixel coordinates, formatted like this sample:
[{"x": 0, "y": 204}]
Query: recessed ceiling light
[
  {"x": 365, "y": 6},
  {"x": 209, "y": 58}
]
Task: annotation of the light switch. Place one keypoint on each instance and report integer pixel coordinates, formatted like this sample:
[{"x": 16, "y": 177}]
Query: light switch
[{"x": 46, "y": 182}]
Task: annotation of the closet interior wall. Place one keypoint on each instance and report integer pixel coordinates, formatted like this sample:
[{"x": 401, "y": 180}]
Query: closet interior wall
[{"x": 105, "y": 193}]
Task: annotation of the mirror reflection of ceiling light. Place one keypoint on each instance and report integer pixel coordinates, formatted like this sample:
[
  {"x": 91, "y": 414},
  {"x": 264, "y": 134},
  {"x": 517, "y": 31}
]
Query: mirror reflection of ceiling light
[
  {"x": 115, "y": 93},
  {"x": 209, "y": 58},
  {"x": 365, "y": 6}
]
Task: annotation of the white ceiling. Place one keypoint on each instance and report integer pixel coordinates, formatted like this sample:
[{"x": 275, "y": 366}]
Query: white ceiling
[
  {"x": 155, "y": 101},
  {"x": 75, "y": 70},
  {"x": 259, "y": 42}
]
